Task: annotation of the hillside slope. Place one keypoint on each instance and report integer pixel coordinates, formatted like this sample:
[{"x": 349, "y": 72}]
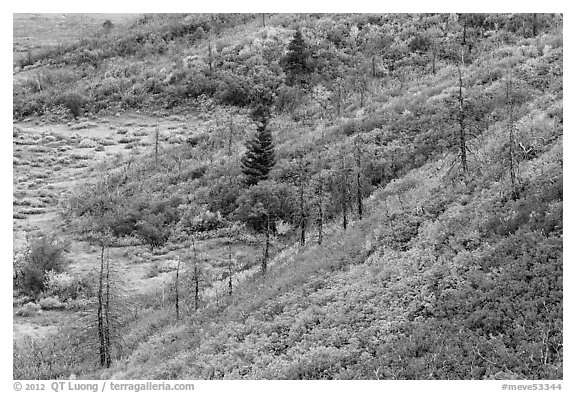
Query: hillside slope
[
  {"x": 476, "y": 294},
  {"x": 424, "y": 153}
]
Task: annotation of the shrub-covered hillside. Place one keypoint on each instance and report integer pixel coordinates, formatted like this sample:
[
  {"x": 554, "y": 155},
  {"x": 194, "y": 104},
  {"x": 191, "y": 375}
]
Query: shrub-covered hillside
[{"x": 399, "y": 178}]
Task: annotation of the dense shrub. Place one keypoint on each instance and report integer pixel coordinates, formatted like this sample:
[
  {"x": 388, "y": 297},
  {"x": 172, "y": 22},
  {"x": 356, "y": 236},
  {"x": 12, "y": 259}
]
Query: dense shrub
[
  {"x": 28, "y": 310},
  {"x": 265, "y": 203},
  {"x": 73, "y": 102},
  {"x": 203, "y": 222},
  {"x": 43, "y": 254},
  {"x": 223, "y": 194},
  {"x": 65, "y": 286},
  {"x": 153, "y": 231},
  {"x": 26, "y": 105},
  {"x": 400, "y": 230},
  {"x": 51, "y": 303}
]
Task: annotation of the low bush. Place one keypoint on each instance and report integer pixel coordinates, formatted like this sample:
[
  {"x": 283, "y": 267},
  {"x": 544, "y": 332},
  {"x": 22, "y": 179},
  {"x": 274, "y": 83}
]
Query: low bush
[
  {"x": 127, "y": 140},
  {"x": 203, "y": 222},
  {"x": 87, "y": 143},
  {"x": 51, "y": 303},
  {"x": 28, "y": 310}
]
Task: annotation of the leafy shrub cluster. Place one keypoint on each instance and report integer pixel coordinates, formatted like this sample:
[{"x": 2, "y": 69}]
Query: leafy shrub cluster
[
  {"x": 43, "y": 254},
  {"x": 51, "y": 303},
  {"x": 203, "y": 222},
  {"x": 66, "y": 287},
  {"x": 28, "y": 310}
]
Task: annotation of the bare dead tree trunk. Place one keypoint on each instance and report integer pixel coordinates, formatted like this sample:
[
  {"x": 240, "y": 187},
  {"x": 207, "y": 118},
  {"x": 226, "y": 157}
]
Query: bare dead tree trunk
[
  {"x": 302, "y": 204},
  {"x": 229, "y": 270},
  {"x": 534, "y": 24},
  {"x": 156, "y": 140},
  {"x": 302, "y": 220},
  {"x": 462, "y": 120},
  {"x": 196, "y": 287},
  {"x": 176, "y": 290},
  {"x": 100, "y": 311},
  {"x": 196, "y": 278},
  {"x": 359, "y": 195},
  {"x": 230, "y": 137},
  {"x": 263, "y": 20},
  {"x": 511, "y": 142},
  {"x": 344, "y": 193},
  {"x": 320, "y": 200},
  {"x": 266, "y": 246},
  {"x": 107, "y": 312},
  {"x": 320, "y": 214},
  {"x": 339, "y": 99},
  {"x": 358, "y": 179}
]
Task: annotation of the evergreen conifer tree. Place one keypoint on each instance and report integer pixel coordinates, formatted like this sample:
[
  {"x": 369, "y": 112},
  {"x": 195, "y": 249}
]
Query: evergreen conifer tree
[
  {"x": 259, "y": 158},
  {"x": 294, "y": 63}
]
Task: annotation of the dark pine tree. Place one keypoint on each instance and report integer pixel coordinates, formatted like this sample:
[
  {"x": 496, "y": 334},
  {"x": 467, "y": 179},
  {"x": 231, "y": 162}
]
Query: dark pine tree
[
  {"x": 259, "y": 158},
  {"x": 294, "y": 63}
]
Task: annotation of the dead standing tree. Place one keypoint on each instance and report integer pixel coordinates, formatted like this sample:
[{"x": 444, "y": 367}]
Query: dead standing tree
[
  {"x": 230, "y": 269},
  {"x": 343, "y": 180},
  {"x": 104, "y": 349},
  {"x": 177, "y": 289},
  {"x": 320, "y": 207},
  {"x": 358, "y": 155},
  {"x": 266, "y": 251},
  {"x": 196, "y": 276},
  {"x": 460, "y": 141},
  {"x": 156, "y": 142},
  {"x": 301, "y": 178},
  {"x": 319, "y": 188},
  {"x": 512, "y": 163},
  {"x": 462, "y": 119},
  {"x": 100, "y": 322}
]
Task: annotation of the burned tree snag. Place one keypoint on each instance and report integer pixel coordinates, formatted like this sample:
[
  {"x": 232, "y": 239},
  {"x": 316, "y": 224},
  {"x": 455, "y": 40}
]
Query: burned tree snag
[
  {"x": 462, "y": 120},
  {"x": 266, "y": 246},
  {"x": 100, "y": 310},
  {"x": 177, "y": 290},
  {"x": 230, "y": 270}
]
